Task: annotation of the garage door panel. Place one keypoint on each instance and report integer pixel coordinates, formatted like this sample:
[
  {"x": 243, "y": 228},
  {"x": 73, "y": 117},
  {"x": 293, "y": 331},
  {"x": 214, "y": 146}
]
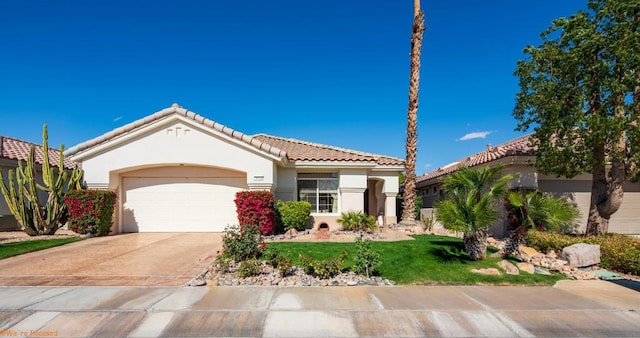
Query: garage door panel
[{"x": 179, "y": 204}]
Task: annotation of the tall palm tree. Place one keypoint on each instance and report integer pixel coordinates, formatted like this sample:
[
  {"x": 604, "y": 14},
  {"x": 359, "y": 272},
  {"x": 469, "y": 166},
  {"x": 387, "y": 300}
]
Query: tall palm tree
[
  {"x": 409, "y": 195},
  {"x": 472, "y": 204},
  {"x": 532, "y": 209}
]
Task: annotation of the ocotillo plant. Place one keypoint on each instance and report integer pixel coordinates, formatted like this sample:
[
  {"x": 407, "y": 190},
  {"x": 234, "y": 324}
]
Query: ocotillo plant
[{"x": 34, "y": 217}]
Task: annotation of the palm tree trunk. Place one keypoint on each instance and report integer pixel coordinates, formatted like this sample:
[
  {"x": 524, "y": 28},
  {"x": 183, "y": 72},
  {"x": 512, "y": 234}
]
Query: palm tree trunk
[
  {"x": 408, "y": 204},
  {"x": 516, "y": 238},
  {"x": 475, "y": 243}
]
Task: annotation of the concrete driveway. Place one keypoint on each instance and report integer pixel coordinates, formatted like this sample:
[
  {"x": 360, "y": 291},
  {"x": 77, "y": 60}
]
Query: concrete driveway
[{"x": 141, "y": 259}]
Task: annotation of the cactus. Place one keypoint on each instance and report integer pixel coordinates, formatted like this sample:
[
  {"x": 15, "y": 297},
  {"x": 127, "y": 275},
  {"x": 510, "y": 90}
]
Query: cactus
[{"x": 34, "y": 217}]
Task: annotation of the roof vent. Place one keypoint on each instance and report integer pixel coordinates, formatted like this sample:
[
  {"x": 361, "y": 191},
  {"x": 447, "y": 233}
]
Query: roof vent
[
  {"x": 175, "y": 105},
  {"x": 489, "y": 147}
]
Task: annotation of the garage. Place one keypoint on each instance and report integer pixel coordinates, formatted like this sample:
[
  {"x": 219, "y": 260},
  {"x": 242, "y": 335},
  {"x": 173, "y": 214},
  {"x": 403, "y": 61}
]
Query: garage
[{"x": 179, "y": 204}]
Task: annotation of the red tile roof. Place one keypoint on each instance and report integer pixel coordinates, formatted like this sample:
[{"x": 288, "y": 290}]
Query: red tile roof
[
  {"x": 18, "y": 150},
  {"x": 306, "y": 151},
  {"x": 517, "y": 147},
  {"x": 293, "y": 150}
]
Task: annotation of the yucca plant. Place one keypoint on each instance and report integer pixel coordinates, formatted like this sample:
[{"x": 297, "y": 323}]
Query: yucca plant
[
  {"x": 532, "y": 209},
  {"x": 471, "y": 205}
]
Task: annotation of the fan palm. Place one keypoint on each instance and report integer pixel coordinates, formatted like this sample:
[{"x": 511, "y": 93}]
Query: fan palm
[
  {"x": 533, "y": 209},
  {"x": 471, "y": 205}
]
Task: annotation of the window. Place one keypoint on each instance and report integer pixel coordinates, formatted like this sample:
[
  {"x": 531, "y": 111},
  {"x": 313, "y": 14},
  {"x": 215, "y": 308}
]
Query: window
[{"x": 319, "y": 189}]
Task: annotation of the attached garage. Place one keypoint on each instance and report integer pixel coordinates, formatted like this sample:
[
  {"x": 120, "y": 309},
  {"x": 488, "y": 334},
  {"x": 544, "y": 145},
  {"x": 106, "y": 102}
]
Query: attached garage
[{"x": 186, "y": 201}]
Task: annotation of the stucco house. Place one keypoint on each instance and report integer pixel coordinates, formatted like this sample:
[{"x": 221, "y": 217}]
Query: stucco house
[
  {"x": 516, "y": 156},
  {"x": 178, "y": 171},
  {"x": 13, "y": 150}
]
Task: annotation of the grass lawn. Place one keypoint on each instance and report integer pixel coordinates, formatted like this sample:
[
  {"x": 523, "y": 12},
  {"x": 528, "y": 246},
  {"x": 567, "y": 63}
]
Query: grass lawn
[
  {"x": 428, "y": 259},
  {"x": 18, "y": 248}
]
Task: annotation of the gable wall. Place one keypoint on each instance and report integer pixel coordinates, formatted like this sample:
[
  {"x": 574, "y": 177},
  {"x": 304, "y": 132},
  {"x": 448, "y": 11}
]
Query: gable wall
[{"x": 173, "y": 144}]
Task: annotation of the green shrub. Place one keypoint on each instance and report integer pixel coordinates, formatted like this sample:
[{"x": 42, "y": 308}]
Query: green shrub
[
  {"x": 356, "y": 221},
  {"x": 293, "y": 214},
  {"x": 324, "y": 269},
  {"x": 249, "y": 268},
  {"x": 284, "y": 264},
  {"x": 223, "y": 263},
  {"x": 243, "y": 244},
  {"x": 618, "y": 252},
  {"x": 367, "y": 261}
]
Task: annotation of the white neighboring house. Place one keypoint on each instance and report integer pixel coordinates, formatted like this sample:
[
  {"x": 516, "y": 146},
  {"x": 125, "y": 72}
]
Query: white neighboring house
[
  {"x": 177, "y": 171},
  {"x": 13, "y": 150},
  {"x": 516, "y": 156}
]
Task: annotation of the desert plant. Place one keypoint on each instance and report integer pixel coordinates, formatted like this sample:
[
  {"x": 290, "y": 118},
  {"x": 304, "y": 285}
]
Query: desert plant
[
  {"x": 470, "y": 206},
  {"x": 256, "y": 208},
  {"x": 34, "y": 217},
  {"x": 324, "y": 269},
  {"x": 356, "y": 221},
  {"x": 90, "y": 211},
  {"x": 529, "y": 210},
  {"x": 367, "y": 261},
  {"x": 242, "y": 244},
  {"x": 293, "y": 214},
  {"x": 249, "y": 268}
]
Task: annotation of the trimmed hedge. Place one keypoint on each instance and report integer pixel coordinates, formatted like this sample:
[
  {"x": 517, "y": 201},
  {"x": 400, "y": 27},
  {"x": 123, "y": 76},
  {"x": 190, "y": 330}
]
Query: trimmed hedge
[
  {"x": 90, "y": 211},
  {"x": 618, "y": 252},
  {"x": 256, "y": 208},
  {"x": 293, "y": 214}
]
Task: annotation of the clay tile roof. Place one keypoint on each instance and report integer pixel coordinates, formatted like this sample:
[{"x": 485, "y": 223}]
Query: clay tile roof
[
  {"x": 18, "y": 150},
  {"x": 516, "y": 147},
  {"x": 175, "y": 109},
  {"x": 306, "y": 151}
]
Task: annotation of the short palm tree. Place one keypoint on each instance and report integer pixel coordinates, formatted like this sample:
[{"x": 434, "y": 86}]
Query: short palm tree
[
  {"x": 532, "y": 209},
  {"x": 472, "y": 205}
]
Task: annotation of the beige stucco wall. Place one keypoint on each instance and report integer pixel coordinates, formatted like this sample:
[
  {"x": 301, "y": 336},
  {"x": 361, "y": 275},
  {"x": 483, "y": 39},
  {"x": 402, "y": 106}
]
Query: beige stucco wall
[{"x": 578, "y": 190}]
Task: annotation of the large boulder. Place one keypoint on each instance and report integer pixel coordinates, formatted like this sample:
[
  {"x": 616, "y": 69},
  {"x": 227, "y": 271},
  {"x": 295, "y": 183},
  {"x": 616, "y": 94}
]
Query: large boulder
[
  {"x": 508, "y": 267},
  {"x": 581, "y": 254}
]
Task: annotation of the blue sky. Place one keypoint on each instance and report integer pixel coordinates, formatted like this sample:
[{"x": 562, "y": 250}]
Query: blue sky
[{"x": 331, "y": 71}]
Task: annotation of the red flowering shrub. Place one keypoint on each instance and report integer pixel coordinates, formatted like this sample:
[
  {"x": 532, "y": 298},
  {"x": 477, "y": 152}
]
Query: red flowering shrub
[
  {"x": 256, "y": 208},
  {"x": 90, "y": 211}
]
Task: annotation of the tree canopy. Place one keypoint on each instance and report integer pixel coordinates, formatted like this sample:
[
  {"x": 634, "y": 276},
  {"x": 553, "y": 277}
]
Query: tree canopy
[{"x": 580, "y": 93}]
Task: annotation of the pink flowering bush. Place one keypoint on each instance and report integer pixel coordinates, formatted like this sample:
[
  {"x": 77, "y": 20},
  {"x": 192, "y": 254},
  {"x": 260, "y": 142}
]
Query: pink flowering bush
[
  {"x": 90, "y": 211},
  {"x": 256, "y": 208}
]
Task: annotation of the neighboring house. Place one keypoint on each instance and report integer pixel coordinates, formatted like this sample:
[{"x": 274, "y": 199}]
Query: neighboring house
[
  {"x": 12, "y": 151},
  {"x": 516, "y": 156},
  {"x": 178, "y": 171}
]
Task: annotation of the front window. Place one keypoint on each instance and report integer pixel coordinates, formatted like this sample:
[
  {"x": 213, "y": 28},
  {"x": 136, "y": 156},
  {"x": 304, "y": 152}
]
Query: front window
[{"x": 319, "y": 189}]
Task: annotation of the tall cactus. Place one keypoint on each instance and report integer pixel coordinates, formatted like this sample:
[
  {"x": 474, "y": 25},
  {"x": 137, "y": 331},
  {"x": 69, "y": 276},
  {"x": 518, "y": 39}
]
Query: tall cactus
[{"x": 22, "y": 196}]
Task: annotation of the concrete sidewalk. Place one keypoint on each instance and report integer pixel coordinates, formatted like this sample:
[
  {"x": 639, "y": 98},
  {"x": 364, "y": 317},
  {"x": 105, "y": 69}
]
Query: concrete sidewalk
[{"x": 411, "y": 311}]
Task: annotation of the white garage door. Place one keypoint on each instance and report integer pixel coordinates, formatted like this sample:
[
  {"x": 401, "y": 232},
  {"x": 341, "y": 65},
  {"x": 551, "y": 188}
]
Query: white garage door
[{"x": 156, "y": 204}]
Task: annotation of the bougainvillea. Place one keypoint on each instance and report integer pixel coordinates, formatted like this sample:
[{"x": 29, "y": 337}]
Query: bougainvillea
[
  {"x": 256, "y": 208},
  {"x": 90, "y": 211}
]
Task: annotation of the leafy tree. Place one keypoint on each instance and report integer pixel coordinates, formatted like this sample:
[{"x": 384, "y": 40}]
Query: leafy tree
[
  {"x": 532, "y": 209},
  {"x": 471, "y": 205},
  {"x": 409, "y": 195},
  {"x": 580, "y": 92}
]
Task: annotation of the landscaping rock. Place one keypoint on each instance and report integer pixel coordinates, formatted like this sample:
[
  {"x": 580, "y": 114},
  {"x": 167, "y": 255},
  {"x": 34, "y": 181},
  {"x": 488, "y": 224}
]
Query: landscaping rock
[
  {"x": 526, "y": 267},
  {"x": 509, "y": 268},
  {"x": 540, "y": 271},
  {"x": 487, "y": 271},
  {"x": 197, "y": 281},
  {"x": 527, "y": 253},
  {"x": 291, "y": 233},
  {"x": 581, "y": 254}
]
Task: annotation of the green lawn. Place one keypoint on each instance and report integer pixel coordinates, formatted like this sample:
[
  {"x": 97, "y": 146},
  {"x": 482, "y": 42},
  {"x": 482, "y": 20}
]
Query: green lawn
[
  {"x": 19, "y": 248},
  {"x": 428, "y": 259}
]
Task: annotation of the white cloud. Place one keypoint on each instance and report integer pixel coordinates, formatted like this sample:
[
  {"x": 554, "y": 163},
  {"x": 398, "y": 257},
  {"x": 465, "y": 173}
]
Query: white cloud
[
  {"x": 475, "y": 134},
  {"x": 117, "y": 119},
  {"x": 428, "y": 166}
]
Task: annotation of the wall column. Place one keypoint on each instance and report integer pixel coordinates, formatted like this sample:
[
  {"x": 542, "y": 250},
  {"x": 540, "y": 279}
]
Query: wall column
[{"x": 390, "y": 208}]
